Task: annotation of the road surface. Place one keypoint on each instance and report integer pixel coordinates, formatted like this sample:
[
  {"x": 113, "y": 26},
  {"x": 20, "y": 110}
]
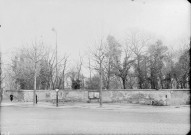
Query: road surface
[{"x": 136, "y": 120}]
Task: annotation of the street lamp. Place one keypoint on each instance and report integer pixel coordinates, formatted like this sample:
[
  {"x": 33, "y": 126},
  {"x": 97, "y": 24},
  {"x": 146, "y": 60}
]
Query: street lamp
[
  {"x": 54, "y": 30},
  {"x": 57, "y": 97}
]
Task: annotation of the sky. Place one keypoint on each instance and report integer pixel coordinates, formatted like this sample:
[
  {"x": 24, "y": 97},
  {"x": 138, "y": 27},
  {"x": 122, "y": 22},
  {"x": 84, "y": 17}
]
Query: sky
[{"x": 79, "y": 23}]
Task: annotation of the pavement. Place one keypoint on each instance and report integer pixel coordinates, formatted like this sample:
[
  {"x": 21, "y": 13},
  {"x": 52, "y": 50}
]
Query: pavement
[{"x": 105, "y": 106}]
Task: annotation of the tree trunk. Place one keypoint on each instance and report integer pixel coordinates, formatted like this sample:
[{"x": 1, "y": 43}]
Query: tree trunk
[
  {"x": 100, "y": 84},
  {"x": 90, "y": 72},
  {"x": 108, "y": 83},
  {"x": 124, "y": 80},
  {"x": 34, "y": 92},
  {"x": 108, "y": 75},
  {"x": 140, "y": 82},
  {"x": 152, "y": 81},
  {"x": 59, "y": 84},
  {"x": 184, "y": 81},
  {"x": 63, "y": 79},
  {"x": 63, "y": 84}
]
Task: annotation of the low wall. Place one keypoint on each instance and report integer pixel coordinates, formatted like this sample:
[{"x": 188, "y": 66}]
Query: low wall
[
  {"x": 139, "y": 96},
  {"x": 48, "y": 95}
]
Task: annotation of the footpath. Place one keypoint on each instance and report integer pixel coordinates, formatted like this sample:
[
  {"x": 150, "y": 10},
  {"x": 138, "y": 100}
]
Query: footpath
[{"x": 105, "y": 106}]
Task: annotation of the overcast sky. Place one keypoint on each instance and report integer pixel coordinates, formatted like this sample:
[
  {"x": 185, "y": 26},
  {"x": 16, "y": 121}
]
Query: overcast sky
[{"x": 80, "y": 22}]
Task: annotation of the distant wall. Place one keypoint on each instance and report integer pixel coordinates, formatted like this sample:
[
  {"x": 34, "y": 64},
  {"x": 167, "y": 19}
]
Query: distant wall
[
  {"x": 139, "y": 96},
  {"x": 157, "y": 97}
]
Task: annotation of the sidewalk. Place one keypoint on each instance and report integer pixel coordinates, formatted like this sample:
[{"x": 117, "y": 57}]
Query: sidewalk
[{"x": 105, "y": 106}]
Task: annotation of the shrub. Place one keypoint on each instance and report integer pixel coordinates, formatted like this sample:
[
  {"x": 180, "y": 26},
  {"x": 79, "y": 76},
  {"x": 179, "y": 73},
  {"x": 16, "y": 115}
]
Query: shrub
[
  {"x": 158, "y": 103},
  {"x": 76, "y": 84}
]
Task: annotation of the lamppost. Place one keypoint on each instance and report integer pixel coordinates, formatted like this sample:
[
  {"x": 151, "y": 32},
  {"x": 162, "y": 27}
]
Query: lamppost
[
  {"x": 57, "y": 97},
  {"x": 56, "y": 55}
]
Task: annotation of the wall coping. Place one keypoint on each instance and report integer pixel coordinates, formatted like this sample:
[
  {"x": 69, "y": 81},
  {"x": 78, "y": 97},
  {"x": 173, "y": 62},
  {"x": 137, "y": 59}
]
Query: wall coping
[
  {"x": 102, "y": 90},
  {"x": 148, "y": 90}
]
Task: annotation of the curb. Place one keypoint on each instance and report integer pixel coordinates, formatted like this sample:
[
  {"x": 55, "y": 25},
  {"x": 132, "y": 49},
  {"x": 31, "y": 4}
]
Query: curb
[{"x": 97, "y": 107}]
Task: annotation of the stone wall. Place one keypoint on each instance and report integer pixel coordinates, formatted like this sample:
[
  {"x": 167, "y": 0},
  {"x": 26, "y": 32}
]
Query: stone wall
[
  {"x": 180, "y": 97},
  {"x": 141, "y": 96}
]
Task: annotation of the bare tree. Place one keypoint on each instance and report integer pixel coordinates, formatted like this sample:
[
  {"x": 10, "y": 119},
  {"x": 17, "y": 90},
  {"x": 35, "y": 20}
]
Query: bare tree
[
  {"x": 112, "y": 53},
  {"x": 36, "y": 63},
  {"x": 90, "y": 69},
  {"x": 122, "y": 68},
  {"x": 51, "y": 60},
  {"x": 35, "y": 53},
  {"x": 75, "y": 74},
  {"x": 79, "y": 66},
  {"x": 63, "y": 72},
  {"x": 157, "y": 54},
  {"x": 98, "y": 55},
  {"x": 50, "y": 63},
  {"x": 137, "y": 42}
]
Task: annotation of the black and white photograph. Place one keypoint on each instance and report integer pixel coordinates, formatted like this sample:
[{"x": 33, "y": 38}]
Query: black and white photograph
[{"x": 95, "y": 67}]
